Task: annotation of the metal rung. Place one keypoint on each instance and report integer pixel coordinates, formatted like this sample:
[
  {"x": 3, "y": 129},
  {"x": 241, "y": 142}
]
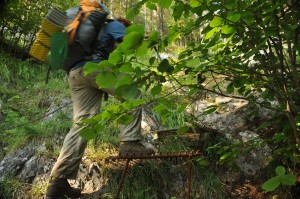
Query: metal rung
[{"x": 134, "y": 157}]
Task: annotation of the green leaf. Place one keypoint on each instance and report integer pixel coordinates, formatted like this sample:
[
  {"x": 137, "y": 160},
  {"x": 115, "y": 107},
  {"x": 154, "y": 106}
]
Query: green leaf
[
  {"x": 125, "y": 79},
  {"x": 106, "y": 114},
  {"x": 90, "y": 121},
  {"x": 163, "y": 66},
  {"x": 192, "y": 63},
  {"x": 90, "y": 67},
  {"x": 135, "y": 28},
  {"x": 88, "y": 133},
  {"x": 132, "y": 12},
  {"x": 115, "y": 57},
  {"x": 153, "y": 36},
  {"x": 227, "y": 29},
  {"x": 248, "y": 17},
  {"x": 234, "y": 17},
  {"x": 211, "y": 32},
  {"x": 174, "y": 37},
  {"x": 165, "y": 3},
  {"x": 132, "y": 41},
  {"x": 195, "y": 3},
  {"x": 182, "y": 130},
  {"x": 271, "y": 184},
  {"x": 127, "y": 92},
  {"x": 217, "y": 21},
  {"x": 138, "y": 102},
  {"x": 178, "y": 10},
  {"x": 280, "y": 170},
  {"x": 202, "y": 162},
  {"x": 142, "y": 50},
  {"x": 288, "y": 179},
  {"x": 159, "y": 108},
  {"x": 225, "y": 156},
  {"x": 229, "y": 4},
  {"x": 182, "y": 108},
  {"x": 152, "y": 60},
  {"x": 151, "y": 6},
  {"x": 125, "y": 119},
  {"x": 106, "y": 79},
  {"x": 210, "y": 110},
  {"x": 156, "y": 89},
  {"x": 126, "y": 68},
  {"x": 230, "y": 88}
]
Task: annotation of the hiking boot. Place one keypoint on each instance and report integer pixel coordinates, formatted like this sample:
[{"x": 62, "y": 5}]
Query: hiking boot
[
  {"x": 59, "y": 188},
  {"x": 134, "y": 148}
]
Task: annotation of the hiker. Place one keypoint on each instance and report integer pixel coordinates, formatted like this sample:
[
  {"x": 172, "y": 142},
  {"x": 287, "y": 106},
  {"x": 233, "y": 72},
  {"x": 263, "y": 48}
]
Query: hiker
[{"x": 87, "y": 97}]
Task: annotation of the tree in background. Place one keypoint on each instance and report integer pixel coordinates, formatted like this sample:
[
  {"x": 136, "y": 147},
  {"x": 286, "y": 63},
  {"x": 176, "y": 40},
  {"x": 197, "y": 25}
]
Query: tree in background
[{"x": 20, "y": 20}]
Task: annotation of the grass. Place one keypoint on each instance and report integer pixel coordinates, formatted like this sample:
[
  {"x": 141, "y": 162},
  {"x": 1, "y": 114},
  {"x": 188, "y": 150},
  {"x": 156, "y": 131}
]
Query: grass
[
  {"x": 156, "y": 179},
  {"x": 22, "y": 93},
  {"x": 11, "y": 188}
]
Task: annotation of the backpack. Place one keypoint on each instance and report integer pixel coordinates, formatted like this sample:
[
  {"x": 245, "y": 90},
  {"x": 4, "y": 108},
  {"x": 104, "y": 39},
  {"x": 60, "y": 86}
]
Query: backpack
[{"x": 84, "y": 25}]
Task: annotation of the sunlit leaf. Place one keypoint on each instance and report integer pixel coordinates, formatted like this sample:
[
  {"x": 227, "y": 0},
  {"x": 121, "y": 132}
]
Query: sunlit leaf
[
  {"x": 227, "y": 29},
  {"x": 217, "y": 21},
  {"x": 195, "y": 3},
  {"x": 211, "y": 32}
]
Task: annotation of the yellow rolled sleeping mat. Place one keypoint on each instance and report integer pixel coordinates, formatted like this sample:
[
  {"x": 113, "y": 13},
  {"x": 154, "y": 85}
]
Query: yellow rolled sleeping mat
[{"x": 54, "y": 22}]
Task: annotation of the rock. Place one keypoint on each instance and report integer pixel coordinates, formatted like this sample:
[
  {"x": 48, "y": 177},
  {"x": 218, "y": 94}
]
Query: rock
[
  {"x": 13, "y": 164},
  {"x": 232, "y": 120}
]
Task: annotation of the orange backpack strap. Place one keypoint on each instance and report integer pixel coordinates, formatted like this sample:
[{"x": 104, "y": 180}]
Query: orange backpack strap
[{"x": 73, "y": 26}]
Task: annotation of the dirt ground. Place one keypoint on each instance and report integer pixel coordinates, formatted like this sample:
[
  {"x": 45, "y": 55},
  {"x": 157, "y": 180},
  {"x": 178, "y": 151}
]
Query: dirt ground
[{"x": 241, "y": 187}]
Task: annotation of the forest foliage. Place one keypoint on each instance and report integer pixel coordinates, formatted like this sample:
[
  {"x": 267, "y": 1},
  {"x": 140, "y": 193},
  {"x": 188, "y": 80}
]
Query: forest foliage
[{"x": 246, "y": 49}]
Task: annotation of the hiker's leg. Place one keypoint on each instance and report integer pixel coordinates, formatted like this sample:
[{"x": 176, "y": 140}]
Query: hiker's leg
[
  {"x": 71, "y": 153},
  {"x": 86, "y": 103},
  {"x": 132, "y": 131}
]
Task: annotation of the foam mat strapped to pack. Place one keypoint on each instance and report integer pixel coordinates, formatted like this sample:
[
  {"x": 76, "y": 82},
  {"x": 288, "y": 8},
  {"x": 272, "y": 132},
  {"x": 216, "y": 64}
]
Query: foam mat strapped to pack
[{"x": 54, "y": 22}]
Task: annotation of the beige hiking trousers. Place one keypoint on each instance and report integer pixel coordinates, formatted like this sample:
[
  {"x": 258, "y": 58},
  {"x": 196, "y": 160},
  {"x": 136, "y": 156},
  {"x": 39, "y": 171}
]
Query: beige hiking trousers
[{"x": 87, "y": 97}]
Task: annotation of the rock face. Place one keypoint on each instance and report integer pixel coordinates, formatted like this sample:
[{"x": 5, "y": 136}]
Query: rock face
[
  {"x": 13, "y": 164},
  {"x": 232, "y": 119}
]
